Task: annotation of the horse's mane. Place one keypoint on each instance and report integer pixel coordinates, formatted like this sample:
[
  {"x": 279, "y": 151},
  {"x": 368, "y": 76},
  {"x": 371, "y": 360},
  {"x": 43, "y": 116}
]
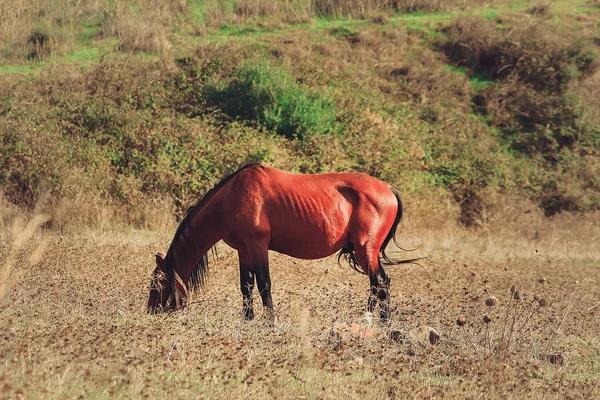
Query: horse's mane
[{"x": 198, "y": 276}]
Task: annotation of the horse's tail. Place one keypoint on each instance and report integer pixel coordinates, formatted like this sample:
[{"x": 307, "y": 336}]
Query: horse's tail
[
  {"x": 392, "y": 236},
  {"x": 349, "y": 254}
]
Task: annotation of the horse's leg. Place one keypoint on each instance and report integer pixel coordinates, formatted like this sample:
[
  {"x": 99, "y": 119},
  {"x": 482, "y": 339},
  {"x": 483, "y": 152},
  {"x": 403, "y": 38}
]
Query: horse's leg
[
  {"x": 378, "y": 279},
  {"x": 246, "y": 284},
  {"x": 259, "y": 253},
  {"x": 383, "y": 292},
  {"x": 263, "y": 280}
]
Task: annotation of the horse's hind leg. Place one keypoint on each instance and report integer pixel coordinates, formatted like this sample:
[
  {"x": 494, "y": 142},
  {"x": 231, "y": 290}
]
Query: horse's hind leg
[
  {"x": 382, "y": 292},
  {"x": 246, "y": 284},
  {"x": 379, "y": 281}
]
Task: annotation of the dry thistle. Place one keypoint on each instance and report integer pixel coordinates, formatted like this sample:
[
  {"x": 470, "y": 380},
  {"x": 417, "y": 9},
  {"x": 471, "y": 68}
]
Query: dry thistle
[
  {"x": 516, "y": 294},
  {"x": 541, "y": 301},
  {"x": 491, "y": 301}
]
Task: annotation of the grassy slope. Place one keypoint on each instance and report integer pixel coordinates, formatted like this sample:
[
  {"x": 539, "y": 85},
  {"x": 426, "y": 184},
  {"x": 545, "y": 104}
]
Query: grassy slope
[{"x": 134, "y": 111}]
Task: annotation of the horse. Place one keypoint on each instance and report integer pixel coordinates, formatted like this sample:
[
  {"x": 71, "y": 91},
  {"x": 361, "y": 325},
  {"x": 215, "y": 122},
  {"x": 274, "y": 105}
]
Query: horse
[{"x": 307, "y": 216}]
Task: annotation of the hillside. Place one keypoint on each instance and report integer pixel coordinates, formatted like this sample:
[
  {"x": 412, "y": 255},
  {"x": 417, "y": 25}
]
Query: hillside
[{"x": 112, "y": 112}]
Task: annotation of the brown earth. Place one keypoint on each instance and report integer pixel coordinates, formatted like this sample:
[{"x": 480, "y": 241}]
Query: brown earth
[{"x": 73, "y": 324}]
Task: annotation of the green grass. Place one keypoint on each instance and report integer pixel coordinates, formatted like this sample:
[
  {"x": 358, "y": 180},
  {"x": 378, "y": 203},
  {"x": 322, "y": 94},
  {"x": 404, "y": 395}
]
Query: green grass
[
  {"x": 87, "y": 33},
  {"x": 478, "y": 82},
  {"x": 20, "y": 69},
  {"x": 198, "y": 11},
  {"x": 275, "y": 100},
  {"x": 83, "y": 56}
]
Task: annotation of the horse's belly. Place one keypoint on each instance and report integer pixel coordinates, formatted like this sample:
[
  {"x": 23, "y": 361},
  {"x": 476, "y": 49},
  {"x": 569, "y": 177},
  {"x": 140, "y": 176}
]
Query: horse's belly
[
  {"x": 307, "y": 249},
  {"x": 310, "y": 239}
]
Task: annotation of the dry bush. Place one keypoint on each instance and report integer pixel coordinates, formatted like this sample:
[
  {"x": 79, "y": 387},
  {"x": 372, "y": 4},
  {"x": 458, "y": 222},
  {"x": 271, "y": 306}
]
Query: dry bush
[
  {"x": 299, "y": 10},
  {"x": 12, "y": 243},
  {"x": 437, "y": 5},
  {"x": 588, "y": 88},
  {"x": 139, "y": 36},
  {"x": 535, "y": 52},
  {"x": 534, "y": 99},
  {"x": 332, "y": 8},
  {"x": 257, "y": 8},
  {"x": 509, "y": 327},
  {"x": 146, "y": 30},
  {"x": 8, "y": 211},
  {"x": 38, "y": 29},
  {"x": 364, "y": 8},
  {"x": 541, "y": 10}
]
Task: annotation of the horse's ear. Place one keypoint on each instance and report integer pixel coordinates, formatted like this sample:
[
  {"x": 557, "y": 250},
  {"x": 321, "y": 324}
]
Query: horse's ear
[{"x": 160, "y": 261}]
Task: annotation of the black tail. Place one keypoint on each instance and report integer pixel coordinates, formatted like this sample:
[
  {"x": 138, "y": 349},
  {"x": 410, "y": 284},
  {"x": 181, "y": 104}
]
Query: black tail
[
  {"x": 392, "y": 236},
  {"x": 350, "y": 256}
]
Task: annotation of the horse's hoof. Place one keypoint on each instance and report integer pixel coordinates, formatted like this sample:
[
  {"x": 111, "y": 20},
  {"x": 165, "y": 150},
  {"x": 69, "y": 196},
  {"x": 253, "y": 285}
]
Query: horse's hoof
[
  {"x": 384, "y": 318},
  {"x": 248, "y": 315},
  {"x": 369, "y": 318},
  {"x": 270, "y": 318}
]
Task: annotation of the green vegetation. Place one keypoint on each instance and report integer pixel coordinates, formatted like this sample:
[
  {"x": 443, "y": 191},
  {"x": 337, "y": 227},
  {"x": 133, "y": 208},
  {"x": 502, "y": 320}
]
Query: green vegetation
[
  {"x": 272, "y": 97},
  {"x": 129, "y": 104}
]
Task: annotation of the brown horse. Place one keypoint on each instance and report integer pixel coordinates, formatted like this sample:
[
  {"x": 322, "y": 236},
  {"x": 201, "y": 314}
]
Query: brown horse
[{"x": 259, "y": 208}]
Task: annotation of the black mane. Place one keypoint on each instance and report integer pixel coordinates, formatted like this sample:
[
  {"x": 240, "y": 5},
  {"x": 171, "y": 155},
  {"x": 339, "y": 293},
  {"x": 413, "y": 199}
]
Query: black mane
[{"x": 198, "y": 276}]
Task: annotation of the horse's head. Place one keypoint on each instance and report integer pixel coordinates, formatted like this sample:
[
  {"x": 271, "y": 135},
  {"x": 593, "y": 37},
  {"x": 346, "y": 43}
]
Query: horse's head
[{"x": 162, "y": 298}]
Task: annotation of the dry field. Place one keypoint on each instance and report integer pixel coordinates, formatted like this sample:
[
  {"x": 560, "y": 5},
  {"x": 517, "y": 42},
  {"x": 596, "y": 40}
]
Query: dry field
[{"x": 73, "y": 321}]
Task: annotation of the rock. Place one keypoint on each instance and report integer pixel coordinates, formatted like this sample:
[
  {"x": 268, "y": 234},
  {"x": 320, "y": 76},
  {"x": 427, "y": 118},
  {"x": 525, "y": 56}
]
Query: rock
[
  {"x": 434, "y": 337},
  {"x": 425, "y": 335}
]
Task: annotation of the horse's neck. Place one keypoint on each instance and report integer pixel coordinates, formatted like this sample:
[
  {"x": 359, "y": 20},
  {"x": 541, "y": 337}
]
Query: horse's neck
[{"x": 196, "y": 238}]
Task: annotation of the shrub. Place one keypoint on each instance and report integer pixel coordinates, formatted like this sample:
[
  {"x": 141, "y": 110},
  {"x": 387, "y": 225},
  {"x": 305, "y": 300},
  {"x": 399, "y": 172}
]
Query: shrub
[
  {"x": 272, "y": 97},
  {"x": 532, "y": 68}
]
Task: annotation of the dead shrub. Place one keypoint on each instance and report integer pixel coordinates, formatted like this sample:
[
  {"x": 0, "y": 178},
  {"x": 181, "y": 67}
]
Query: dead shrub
[
  {"x": 40, "y": 43},
  {"x": 256, "y": 8},
  {"x": 373, "y": 8},
  {"x": 472, "y": 208},
  {"x": 507, "y": 326},
  {"x": 533, "y": 120},
  {"x": 141, "y": 35},
  {"x": 533, "y": 67},
  {"x": 535, "y": 53},
  {"x": 332, "y": 8},
  {"x": 541, "y": 10}
]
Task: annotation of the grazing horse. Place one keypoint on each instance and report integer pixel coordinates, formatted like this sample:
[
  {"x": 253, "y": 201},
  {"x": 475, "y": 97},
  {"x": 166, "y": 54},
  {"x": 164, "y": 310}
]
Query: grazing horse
[{"x": 259, "y": 208}]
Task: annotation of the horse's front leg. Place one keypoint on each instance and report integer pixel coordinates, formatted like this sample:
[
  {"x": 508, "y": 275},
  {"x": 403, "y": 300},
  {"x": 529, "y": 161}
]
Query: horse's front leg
[
  {"x": 263, "y": 280},
  {"x": 259, "y": 254},
  {"x": 246, "y": 284}
]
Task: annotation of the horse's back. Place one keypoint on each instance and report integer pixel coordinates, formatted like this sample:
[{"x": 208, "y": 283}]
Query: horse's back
[{"x": 306, "y": 216}]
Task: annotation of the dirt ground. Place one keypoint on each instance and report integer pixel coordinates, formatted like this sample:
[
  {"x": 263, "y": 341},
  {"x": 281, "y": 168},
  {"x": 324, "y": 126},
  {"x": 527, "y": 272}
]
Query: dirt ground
[{"x": 73, "y": 324}]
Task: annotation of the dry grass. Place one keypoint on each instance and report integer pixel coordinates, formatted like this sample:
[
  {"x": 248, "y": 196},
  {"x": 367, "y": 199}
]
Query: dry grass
[
  {"x": 73, "y": 321},
  {"x": 41, "y": 29}
]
